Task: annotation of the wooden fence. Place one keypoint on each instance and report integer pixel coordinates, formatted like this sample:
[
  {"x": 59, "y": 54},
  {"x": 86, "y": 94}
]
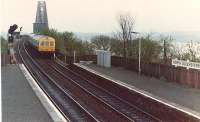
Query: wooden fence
[
  {"x": 70, "y": 59},
  {"x": 190, "y": 77}
]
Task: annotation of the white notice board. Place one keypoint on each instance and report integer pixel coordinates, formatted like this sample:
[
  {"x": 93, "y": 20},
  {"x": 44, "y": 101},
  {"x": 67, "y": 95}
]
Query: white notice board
[{"x": 187, "y": 64}]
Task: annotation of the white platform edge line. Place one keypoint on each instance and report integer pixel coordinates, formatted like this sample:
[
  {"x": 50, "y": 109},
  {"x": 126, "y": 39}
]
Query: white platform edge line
[
  {"x": 46, "y": 102},
  {"x": 173, "y": 105}
]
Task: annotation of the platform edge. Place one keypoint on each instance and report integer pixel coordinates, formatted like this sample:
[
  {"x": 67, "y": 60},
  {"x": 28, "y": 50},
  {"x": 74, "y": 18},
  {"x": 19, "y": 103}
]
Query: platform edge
[{"x": 46, "y": 102}]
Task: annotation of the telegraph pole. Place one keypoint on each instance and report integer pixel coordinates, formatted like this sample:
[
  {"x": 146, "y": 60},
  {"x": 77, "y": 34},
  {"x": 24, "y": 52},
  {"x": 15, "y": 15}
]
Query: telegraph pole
[{"x": 139, "y": 54}]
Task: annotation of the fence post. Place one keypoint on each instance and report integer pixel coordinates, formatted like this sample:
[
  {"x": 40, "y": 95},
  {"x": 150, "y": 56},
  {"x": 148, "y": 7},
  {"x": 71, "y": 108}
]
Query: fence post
[
  {"x": 74, "y": 56},
  {"x": 65, "y": 58},
  {"x": 158, "y": 70}
]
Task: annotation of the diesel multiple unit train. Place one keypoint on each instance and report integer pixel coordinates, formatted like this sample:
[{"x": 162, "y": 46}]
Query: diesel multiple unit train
[{"x": 42, "y": 43}]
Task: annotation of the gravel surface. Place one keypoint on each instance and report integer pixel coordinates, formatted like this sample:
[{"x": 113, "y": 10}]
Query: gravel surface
[{"x": 19, "y": 102}]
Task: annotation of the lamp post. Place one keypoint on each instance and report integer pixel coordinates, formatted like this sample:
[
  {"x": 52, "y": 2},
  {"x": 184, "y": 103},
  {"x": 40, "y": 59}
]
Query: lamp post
[{"x": 139, "y": 55}]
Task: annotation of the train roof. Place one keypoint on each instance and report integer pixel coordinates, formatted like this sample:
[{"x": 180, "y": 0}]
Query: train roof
[{"x": 36, "y": 36}]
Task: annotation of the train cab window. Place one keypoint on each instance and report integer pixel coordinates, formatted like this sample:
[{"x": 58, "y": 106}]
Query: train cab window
[
  {"x": 41, "y": 43},
  {"x": 46, "y": 43},
  {"x": 51, "y": 44}
]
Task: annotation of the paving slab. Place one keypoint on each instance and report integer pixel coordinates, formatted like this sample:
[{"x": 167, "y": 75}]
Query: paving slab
[
  {"x": 19, "y": 102},
  {"x": 170, "y": 91}
]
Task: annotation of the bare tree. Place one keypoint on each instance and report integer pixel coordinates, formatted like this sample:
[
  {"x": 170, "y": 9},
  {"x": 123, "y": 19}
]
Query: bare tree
[
  {"x": 101, "y": 42},
  {"x": 126, "y": 23},
  {"x": 186, "y": 52},
  {"x": 167, "y": 45},
  {"x": 192, "y": 51}
]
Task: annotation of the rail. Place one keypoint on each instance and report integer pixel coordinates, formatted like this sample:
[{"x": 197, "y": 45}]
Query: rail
[{"x": 49, "y": 78}]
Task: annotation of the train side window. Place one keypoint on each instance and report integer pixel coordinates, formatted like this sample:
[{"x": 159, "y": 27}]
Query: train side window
[
  {"x": 46, "y": 43},
  {"x": 51, "y": 44},
  {"x": 42, "y": 43}
]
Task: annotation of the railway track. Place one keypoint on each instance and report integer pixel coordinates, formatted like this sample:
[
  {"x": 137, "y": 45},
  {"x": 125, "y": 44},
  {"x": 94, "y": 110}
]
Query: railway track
[
  {"x": 64, "y": 102},
  {"x": 83, "y": 96},
  {"x": 153, "y": 106},
  {"x": 98, "y": 102},
  {"x": 90, "y": 101},
  {"x": 119, "y": 105}
]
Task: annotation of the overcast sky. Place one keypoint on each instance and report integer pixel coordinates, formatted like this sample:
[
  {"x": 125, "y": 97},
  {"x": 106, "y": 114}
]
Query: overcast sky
[{"x": 101, "y": 15}]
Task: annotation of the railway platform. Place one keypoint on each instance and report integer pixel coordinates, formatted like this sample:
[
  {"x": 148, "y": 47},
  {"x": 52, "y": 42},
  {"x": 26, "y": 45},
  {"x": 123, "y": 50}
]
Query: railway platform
[
  {"x": 180, "y": 96},
  {"x": 19, "y": 101}
]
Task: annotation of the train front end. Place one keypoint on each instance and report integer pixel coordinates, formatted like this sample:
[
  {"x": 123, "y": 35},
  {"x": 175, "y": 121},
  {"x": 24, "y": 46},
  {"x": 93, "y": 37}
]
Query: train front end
[{"x": 46, "y": 44}]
